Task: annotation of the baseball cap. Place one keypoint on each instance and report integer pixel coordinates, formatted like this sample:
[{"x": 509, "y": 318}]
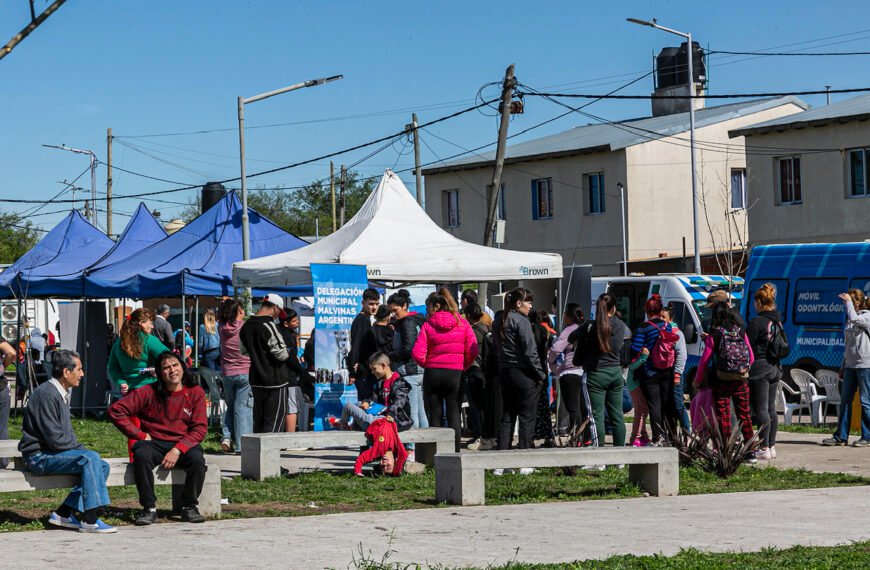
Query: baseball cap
[
  {"x": 275, "y": 299},
  {"x": 717, "y": 296}
]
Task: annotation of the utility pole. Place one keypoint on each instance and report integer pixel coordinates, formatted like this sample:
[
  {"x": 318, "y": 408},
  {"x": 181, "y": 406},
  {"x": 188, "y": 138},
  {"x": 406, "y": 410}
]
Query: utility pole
[
  {"x": 342, "y": 177},
  {"x": 109, "y": 182},
  {"x": 505, "y": 110},
  {"x": 332, "y": 191},
  {"x": 419, "y": 175}
]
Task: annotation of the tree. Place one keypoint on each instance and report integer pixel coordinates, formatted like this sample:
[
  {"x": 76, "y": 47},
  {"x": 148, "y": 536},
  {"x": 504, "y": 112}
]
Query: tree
[
  {"x": 16, "y": 237},
  {"x": 304, "y": 210}
]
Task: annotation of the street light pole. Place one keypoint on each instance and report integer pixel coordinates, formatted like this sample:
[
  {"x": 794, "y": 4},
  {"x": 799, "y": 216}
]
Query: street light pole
[
  {"x": 93, "y": 158},
  {"x": 241, "y": 102},
  {"x": 691, "y": 71}
]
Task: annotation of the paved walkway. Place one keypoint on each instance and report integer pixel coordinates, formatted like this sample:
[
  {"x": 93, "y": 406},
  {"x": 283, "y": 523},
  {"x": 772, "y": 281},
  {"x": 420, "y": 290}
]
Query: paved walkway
[{"x": 478, "y": 536}]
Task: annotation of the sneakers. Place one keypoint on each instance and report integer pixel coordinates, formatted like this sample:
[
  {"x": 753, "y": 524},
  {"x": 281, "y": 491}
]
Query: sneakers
[
  {"x": 830, "y": 441},
  {"x": 861, "y": 443},
  {"x": 486, "y": 444},
  {"x": 500, "y": 472},
  {"x": 146, "y": 517},
  {"x": 526, "y": 470},
  {"x": 98, "y": 527},
  {"x": 773, "y": 452},
  {"x": 751, "y": 460},
  {"x": 474, "y": 445},
  {"x": 641, "y": 441},
  {"x": 226, "y": 446},
  {"x": 55, "y": 519},
  {"x": 764, "y": 454},
  {"x": 593, "y": 467},
  {"x": 192, "y": 515}
]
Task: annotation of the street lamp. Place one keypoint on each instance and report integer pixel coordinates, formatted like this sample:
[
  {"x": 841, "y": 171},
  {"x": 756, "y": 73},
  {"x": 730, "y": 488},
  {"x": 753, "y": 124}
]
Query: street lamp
[
  {"x": 246, "y": 242},
  {"x": 691, "y": 57},
  {"x": 93, "y": 158}
]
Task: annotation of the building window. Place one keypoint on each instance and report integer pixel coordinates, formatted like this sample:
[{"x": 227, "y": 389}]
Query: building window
[
  {"x": 542, "y": 199},
  {"x": 790, "y": 180},
  {"x": 858, "y": 172},
  {"x": 738, "y": 188},
  {"x": 451, "y": 208},
  {"x": 595, "y": 193}
]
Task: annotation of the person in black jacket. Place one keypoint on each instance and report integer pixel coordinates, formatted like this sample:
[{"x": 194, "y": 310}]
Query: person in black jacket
[
  {"x": 362, "y": 323},
  {"x": 765, "y": 374},
  {"x": 407, "y": 327},
  {"x": 289, "y": 327},
  {"x": 519, "y": 368},
  {"x": 475, "y": 381},
  {"x": 379, "y": 338},
  {"x": 269, "y": 376}
]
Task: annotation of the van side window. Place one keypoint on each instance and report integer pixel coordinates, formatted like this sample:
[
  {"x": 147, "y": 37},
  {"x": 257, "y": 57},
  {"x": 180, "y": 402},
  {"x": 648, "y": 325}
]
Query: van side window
[
  {"x": 816, "y": 302},
  {"x": 781, "y": 286},
  {"x": 682, "y": 316}
]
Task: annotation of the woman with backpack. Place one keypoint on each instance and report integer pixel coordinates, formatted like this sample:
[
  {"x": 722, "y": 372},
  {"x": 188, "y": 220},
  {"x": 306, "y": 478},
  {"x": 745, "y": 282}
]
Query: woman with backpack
[
  {"x": 855, "y": 369},
  {"x": 727, "y": 359},
  {"x": 656, "y": 376},
  {"x": 599, "y": 348},
  {"x": 765, "y": 333},
  {"x": 572, "y": 388},
  {"x": 520, "y": 370},
  {"x": 444, "y": 349}
]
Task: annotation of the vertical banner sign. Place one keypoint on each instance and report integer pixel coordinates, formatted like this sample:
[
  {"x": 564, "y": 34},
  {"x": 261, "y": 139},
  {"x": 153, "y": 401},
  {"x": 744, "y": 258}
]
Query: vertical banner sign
[{"x": 338, "y": 293}]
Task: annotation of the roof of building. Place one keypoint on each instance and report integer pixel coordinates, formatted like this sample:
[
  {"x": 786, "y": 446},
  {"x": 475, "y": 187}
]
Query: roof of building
[
  {"x": 855, "y": 109},
  {"x": 604, "y": 137}
]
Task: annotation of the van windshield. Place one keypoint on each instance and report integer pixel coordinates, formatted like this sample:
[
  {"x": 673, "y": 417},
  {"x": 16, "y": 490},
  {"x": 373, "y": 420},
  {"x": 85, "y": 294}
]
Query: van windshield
[{"x": 705, "y": 313}]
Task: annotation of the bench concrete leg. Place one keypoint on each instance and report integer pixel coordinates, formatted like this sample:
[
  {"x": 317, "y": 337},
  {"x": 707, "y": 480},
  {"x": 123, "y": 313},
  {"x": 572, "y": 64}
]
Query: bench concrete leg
[
  {"x": 209, "y": 499},
  {"x": 457, "y": 486},
  {"x": 258, "y": 462},
  {"x": 660, "y": 479},
  {"x": 425, "y": 452}
]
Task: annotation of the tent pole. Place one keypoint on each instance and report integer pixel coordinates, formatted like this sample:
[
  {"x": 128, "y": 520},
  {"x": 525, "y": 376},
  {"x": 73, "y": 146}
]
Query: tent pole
[
  {"x": 84, "y": 355},
  {"x": 183, "y": 315},
  {"x": 196, "y": 333}
]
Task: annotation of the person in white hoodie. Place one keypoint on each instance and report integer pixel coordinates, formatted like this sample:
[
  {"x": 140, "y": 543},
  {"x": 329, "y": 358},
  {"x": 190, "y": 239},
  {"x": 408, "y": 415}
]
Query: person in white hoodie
[
  {"x": 855, "y": 369},
  {"x": 572, "y": 385}
]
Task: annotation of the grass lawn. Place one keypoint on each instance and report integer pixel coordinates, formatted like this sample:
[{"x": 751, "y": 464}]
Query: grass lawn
[{"x": 322, "y": 493}]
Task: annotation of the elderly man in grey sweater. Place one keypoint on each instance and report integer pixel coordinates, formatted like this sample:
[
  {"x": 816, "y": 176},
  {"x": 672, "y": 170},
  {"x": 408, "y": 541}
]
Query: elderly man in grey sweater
[{"x": 49, "y": 446}]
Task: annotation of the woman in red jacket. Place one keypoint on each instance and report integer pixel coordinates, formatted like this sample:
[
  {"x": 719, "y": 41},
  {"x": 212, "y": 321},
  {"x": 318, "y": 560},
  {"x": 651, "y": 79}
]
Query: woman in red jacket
[
  {"x": 445, "y": 348},
  {"x": 172, "y": 425}
]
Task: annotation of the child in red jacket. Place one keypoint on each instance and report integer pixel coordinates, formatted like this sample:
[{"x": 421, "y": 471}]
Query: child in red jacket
[{"x": 386, "y": 446}]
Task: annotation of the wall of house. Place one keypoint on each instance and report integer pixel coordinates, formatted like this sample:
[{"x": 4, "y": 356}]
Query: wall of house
[{"x": 827, "y": 212}]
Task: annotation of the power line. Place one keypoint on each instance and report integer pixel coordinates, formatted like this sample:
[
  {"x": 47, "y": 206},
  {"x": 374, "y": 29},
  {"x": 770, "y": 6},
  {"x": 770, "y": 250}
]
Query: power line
[
  {"x": 790, "y": 53},
  {"x": 705, "y": 96}
]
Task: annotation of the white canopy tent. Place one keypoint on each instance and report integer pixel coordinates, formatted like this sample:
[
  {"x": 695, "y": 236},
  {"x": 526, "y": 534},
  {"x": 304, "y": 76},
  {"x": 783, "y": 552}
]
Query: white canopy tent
[{"x": 398, "y": 242}]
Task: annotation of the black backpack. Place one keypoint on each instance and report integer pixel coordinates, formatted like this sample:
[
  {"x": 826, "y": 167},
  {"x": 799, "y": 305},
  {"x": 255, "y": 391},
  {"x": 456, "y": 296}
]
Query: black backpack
[
  {"x": 777, "y": 342},
  {"x": 585, "y": 343}
]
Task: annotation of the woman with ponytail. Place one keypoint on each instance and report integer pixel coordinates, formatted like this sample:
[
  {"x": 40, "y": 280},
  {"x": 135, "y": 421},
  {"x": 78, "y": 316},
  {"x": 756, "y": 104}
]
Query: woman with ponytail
[
  {"x": 444, "y": 349},
  {"x": 520, "y": 369},
  {"x": 572, "y": 391},
  {"x": 765, "y": 373}
]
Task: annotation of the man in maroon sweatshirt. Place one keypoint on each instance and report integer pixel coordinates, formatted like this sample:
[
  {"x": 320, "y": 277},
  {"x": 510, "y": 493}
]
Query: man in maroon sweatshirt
[{"x": 172, "y": 424}]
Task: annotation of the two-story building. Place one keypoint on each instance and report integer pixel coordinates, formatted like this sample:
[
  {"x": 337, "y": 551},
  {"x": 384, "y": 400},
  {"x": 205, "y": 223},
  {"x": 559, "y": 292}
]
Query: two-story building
[
  {"x": 807, "y": 175},
  {"x": 571, "y": 192}
]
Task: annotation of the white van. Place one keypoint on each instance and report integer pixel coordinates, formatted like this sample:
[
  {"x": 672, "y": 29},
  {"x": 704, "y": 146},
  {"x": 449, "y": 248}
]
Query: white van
[{"x": 686, "y": 293}]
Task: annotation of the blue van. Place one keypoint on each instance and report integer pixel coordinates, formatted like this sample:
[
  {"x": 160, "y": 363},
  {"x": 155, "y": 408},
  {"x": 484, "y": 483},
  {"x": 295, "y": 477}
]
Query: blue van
[{"x": 808, "y": 278}]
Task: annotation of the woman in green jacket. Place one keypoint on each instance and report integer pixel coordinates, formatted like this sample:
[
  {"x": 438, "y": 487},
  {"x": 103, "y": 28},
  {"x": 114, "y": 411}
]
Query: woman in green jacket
[{"x": 134, "y": 352}]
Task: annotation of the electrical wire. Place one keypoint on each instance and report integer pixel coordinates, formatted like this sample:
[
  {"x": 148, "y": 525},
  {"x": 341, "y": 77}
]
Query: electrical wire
[
  {"x": 703, "y": 96},
  {"x": 790, "y": 53}
]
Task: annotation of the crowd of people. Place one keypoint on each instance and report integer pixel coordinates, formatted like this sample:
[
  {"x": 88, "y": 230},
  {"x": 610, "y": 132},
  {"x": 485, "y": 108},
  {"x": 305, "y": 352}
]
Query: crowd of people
[{"x": 512, "y": 368}]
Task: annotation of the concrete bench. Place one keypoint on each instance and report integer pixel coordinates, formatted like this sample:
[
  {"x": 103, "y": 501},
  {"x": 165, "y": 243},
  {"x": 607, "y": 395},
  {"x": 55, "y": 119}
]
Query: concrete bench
[
  {"x": 459, "y": 477},
  {"x": 17, "y": 478},
  {"x": 261, "y": 452}
]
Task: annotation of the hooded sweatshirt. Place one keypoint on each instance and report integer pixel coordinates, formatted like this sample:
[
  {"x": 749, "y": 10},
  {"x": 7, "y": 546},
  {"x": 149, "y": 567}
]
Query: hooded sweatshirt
[
  {"x": 758, "y": 333},
  {"x": 263, "y": 344},
  {"x": 445, "y": 341},
  {"x": 384, "y": 437},
  {"x": 857, "y": 336},
  {"x": 233, "y": 362},
  {"x": 561, "y": 354}
]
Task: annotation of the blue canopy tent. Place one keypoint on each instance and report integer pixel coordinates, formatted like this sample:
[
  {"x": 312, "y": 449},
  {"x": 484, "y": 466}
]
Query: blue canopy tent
[
  {"x": 142, "y": 230},
  {"x": 197, "y": 259},
  {"x": 69, "y": 248}
]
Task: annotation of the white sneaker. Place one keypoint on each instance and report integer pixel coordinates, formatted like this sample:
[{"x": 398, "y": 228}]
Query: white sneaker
[
  {"x": 498, "y": 472},
  {"x": 527, "y": 470},
  {"x": 764, "y": 454},
  {"x": 593, "y": 467},
  {"x": 475, "y": 445},
  {"x": 773, "y": 452},
  {"x": 486, "y": 444}
]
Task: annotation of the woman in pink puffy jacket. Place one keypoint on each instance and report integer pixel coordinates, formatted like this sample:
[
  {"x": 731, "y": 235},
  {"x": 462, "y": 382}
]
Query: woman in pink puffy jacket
[{"x": 445, "y": 347}]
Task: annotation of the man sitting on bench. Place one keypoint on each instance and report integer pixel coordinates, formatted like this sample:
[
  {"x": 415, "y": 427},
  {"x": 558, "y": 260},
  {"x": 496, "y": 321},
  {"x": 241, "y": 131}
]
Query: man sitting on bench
[
  {"x": 173, "y": 422},
  {"x": 49, "y": 446}
]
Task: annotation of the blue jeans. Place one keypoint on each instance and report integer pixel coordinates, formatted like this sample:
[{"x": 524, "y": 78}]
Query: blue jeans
[
  {"x": 90, "y": 492},
  {"x": 361, "y": 418},
  {"x": 854, "y": 379},
  {"x": 239, "y": 416},
  {"x": 682, "y": 414},
  {"x": 418, "y": 408}
]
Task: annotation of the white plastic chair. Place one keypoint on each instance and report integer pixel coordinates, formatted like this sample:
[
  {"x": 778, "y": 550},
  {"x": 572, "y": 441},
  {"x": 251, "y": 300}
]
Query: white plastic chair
[
  {"x": 784, "y": 406},
  {"x": 807, "y": 384},
  {"x": 829, "y": 381}
]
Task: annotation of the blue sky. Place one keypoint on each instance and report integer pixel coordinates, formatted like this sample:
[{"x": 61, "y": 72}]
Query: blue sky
[{"x": 157, "y": 67}]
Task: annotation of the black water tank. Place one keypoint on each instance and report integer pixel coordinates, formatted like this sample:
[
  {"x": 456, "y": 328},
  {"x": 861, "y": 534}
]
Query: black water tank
[
  {"x": 665, "y": 67},
  {"x": 682, "y": 62},
  {"x": 212, "y": 193}
]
